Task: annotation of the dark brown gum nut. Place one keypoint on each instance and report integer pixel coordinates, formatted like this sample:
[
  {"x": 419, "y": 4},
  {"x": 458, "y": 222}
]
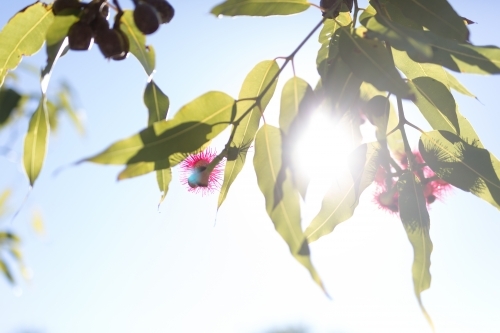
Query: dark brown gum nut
[
  {"x": 80, "y": 36},
  {"x": 164, "y": 8},
  {"x": 100, "y": 23},
  {"x": 111, "y": 44},
  {"x": 146, "y": 18},
  {"x": 62, "y": 6},
  {"x": 104, "y": 10},
  {"x": 125, "y": 45}
]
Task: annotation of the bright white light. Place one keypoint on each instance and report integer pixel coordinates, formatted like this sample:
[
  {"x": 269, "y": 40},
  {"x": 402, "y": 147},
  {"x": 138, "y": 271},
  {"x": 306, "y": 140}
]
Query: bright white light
[{"x": 324, "y": 148}]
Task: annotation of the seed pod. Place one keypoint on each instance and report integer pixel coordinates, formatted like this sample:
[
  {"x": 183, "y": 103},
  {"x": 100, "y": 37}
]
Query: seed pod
[
  {"x": 165, "y": 9},
  {"x": 80, "y": 36},
  {"x": 112, "y": 44},
  {"x": 61, "y": 5},
  {"x": 125, "y": 45},
  {"x": 146, "y": 18}
]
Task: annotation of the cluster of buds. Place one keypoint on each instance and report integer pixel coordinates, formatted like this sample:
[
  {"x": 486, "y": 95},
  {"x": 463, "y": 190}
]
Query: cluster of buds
[{"x": 386, "y": 194}]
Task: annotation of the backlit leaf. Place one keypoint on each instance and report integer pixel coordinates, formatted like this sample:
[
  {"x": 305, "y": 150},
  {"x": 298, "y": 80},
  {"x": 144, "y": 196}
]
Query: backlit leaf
[
  {"x": 436, "y": 103},
  {"x": 144, "y": 53},
  {"x": 260, "y": 7},
  {"x": 342, "y": 198},
  {"x": 156, "y": 102},
  {"x": 416, "y": 221},
  {"x": 23, "y": 35},
  {"x": 369, "y": 60},
  {"x": 436, "y": 15},
  {"x": 462, "y": 164},
  {"x": 253, "y": 85},
  {"x": 6, "y": 271},
  {"x": 163, "y": 178},
  {"x": 286, "y": 215},
  {"x": 36, "y": 142},
  {"x": 193, "y": 125},
  {"x": 4, "y": 197}
]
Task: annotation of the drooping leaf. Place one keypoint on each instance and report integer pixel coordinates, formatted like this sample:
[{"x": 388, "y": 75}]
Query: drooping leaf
[
  {"x": 342, "y": 198},
  {"x": 462, "y": 164},
  {"x": 23, "y": 35},
  {"x": 156, "y": 102},
  {"x": 6, "y": 271},
  {"x": 416, "y": 221},
  {"x": 36, "y": 141},
  {"x": 436, "y": 104},
  {"x": 328, "y": 38},
  {"x": 254, "y": 84},
  {"x": 65, "y": 100},
  {"x": 382, "y": 28},
  {"x": 285, "y": 216},
  {"x": 260, "y": 7},
  {"x": 163, "y": 178},
  {"x": 297, "y": 104},
  {"x": 144, "y": 53},
  {"x": 436, "y": 15},
  {"x": 193, "y": 125},
  {"x": 4, "y": 197},
  {"x": 455, "y": 84},
  {"x": 369, "y": 60},
  {"x": 9, "y": 100}
]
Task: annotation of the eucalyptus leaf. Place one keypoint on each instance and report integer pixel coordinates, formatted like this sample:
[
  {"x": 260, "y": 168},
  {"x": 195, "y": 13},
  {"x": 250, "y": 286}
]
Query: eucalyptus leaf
[
  {"x": 36, "y": 141},
  {"x": 261, "y": 76},
  {"x": 370, "y": 61},
  {"x": 156, "y": 102},
  {"x": 416, "y": 221},
  {"x": 462, "y": 164},
  {"x": 286, "y": 215},
  {"x": 163, "y": 178},
  {"x": 144, "y": 53},
  {"x": 260, "y": 7},
  {"x": 23, "y": 35},
  {"x": 193, "y": 125}
]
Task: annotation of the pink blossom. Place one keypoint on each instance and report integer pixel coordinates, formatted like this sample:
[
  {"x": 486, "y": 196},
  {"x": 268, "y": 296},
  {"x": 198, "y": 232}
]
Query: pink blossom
[{"x": 195, "y": 175}]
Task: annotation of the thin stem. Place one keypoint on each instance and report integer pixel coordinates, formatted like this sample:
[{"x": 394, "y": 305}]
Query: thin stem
[{"x": 355, "y": 14}]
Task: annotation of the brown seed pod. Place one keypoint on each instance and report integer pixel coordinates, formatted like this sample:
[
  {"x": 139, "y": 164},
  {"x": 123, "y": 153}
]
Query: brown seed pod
[
  {"x": 146, "y": 18},
  {"x": 112, "y": 44},
  {"x": 165, "y": 9},
  {"x": 80, "y": 36},
  {"x": 61, "y": 5}
]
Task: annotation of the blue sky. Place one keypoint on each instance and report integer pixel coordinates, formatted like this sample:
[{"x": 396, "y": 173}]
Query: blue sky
[{"x": 111, "y": 262}]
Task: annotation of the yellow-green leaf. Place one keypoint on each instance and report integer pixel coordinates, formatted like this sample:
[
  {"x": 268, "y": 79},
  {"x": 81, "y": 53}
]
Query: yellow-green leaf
[
  {"x": 144, "y": 53},
  {"x": 156, "y": 102},
  {"x": 254, "y": 84},
  {"x": 163, "y": 178},
  {"x": 286, "y": 215},
  {"x": 36, "y": 141},
  {"x": 23, "y": 35},
  {"x": 416, "y": 221},
  {"x": 4, "y": 197},
  {"x": 342, "y": 198},
  {"x": 193, "y": 125},
  {"x": 260, "y": 7}
]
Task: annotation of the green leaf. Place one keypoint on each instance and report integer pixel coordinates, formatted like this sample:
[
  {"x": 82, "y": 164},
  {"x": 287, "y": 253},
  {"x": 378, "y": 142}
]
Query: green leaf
[
  {"x": 384, "y": 29},
  {"x": 23, "y": 35},
  {"x": 36, "y": 141},
  {"x": 260, "y": 7},
  {"x": 59, "y": 28},
  {"x": 156, "y": 102},
  {"x": 4, "y": 197},
  {"x": 462, "y": 164},
  {"x": 163, "y": 178},
  {"x": 193, "y": 125},
  {"x": 436, "y": 15},
  {"x": 328, "y": 38},
  {"x": 297, "y": 104},
  {"x": 416, "y": 221},
  {"x": 436, "y": 103},
  {"x": 285, "y": 216},
  {"x": 254, "y": 84},
  {"x": 455, "y": 84},
  {"x": 144, "y": 53},
  {"x": 9, "y": 100},
  {"x": 369, "y": 60},
  {"x": 65, "y": 103},
  {"x": 343, "y": 196}
]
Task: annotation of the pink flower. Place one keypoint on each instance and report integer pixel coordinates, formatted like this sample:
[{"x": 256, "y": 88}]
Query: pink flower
[{"x": 194, "y": 172}]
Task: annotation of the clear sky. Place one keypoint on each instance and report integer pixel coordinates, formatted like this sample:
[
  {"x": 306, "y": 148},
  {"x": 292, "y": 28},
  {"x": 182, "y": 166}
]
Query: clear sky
[{"x": 111, "y": 262}]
